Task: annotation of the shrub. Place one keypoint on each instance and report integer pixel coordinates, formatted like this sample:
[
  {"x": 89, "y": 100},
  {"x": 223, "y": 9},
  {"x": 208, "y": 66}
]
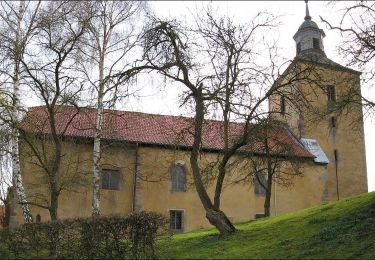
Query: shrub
[{"x": 113, "y": 237}]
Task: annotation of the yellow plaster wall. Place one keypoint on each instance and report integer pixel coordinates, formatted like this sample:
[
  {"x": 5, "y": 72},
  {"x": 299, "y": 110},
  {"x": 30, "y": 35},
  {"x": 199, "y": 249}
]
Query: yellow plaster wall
[
  {"x": 238, "y": 200},
  {"x": 76, "y": 171}
]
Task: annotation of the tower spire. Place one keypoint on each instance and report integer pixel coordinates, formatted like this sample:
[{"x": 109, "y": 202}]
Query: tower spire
[
  {"x": 307, "y": 17},
  {"x": 309, "y": 38}
]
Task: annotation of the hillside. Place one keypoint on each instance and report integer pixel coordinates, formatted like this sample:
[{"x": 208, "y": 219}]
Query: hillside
[{"x": 344, "y": 229}]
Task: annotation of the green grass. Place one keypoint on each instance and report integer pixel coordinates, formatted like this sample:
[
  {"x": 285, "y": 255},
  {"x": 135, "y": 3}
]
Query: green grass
[{"x": 344, "y": 229}]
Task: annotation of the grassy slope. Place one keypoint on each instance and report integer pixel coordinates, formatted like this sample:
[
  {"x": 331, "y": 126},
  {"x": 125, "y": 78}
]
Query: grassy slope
[{"x": 344, "y": 229}]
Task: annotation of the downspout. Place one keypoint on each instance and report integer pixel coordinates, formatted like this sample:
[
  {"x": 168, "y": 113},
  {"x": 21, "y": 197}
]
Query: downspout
[{"x": 135, "y": 179}]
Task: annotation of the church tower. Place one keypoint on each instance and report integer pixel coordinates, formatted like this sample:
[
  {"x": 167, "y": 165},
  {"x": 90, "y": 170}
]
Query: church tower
[
  {"x": 309, "y": 37},
  {"x": 324, "y": 111}
]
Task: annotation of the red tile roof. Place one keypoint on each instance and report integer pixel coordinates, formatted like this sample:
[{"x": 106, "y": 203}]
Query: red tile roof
[{"x": 153, "y": 129}]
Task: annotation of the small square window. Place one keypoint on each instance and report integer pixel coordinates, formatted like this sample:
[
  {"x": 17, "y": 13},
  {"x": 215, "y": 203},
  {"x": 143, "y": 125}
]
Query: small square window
[
  {"x": 110, "y": 179},
  {"x": 176, "y": 221}
]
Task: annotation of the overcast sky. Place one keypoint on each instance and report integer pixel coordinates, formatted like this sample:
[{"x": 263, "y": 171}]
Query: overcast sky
[{"x": 292, "y": 15}]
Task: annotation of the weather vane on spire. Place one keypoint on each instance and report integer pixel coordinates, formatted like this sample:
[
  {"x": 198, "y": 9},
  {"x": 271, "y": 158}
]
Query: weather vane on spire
[{"x": 307, "y": 17}]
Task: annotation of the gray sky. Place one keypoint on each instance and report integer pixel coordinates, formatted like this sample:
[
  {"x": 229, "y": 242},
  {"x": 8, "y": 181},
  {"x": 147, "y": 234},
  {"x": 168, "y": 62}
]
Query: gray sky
[{"x": 292, "y": 14}]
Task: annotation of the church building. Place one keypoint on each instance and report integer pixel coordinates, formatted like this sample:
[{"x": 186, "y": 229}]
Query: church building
[{"x": 145, "y": 161}]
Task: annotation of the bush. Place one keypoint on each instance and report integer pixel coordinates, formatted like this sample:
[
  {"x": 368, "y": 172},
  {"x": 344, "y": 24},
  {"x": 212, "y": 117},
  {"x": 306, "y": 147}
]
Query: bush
[{"x": 113, "y": 237}]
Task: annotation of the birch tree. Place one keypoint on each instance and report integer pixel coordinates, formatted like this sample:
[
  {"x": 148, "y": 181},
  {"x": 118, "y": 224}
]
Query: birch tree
[
  {"x": 18, "y": 24},
  {"x": 5, "y": 171},
  {"x": 5, "y": 162},
  {"x": 112, "y": 37}
]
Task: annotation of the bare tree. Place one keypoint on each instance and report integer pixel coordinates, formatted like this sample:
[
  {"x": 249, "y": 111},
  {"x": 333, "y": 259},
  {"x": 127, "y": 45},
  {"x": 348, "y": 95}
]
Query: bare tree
[
  {"x": 358, "y": 44},
  {"x": 18, "y": 24},
  {"x": 273, "y": 160},
  {"x": 218, "y": 63},
  {"x": 108, "y": 48},
  {"x": 50, "y": 64}
]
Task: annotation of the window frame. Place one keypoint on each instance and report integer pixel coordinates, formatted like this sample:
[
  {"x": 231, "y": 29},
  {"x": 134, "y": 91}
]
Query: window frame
[
  {"x": 282, "y": 105},
  {"x": 180, "y": 179},
  {"x": 335, "y": 156},
  {"x": 333, "y": 122},
  {"x": 110, "y": 173},
  {"x": 259, "y": 190},
  {"x": 316, "y": 44},
  {"x": 298, "y": 47},
  {"x": 38, "y": 218},
  {"x": 182, "y": 220},
  {"x": 331, "y": 93}
]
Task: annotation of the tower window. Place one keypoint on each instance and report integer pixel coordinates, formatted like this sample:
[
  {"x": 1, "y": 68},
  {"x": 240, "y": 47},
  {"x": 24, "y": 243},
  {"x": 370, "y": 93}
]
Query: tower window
[
  {"x": 333, "y": 122},
  {"x": 331, "y": 93},
  {"x": 298, "y": 47},
  {"x": 336, "y": 156},
  {"x": 316, "y": 44},
  {"x": 282, "y": 105}
]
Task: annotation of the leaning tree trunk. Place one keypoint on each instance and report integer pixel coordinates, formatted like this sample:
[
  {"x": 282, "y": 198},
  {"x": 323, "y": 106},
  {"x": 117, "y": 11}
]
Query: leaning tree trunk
[
  {"x": 97, "y": 141},
  {"x": 218, "y": 218},
  {"x": 16, "y": 169},
  {"x": 214, "y": 215}
]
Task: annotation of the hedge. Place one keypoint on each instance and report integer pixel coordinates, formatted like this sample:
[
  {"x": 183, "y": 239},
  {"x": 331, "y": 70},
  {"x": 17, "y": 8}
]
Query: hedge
[{"x": 113, "y": 237}]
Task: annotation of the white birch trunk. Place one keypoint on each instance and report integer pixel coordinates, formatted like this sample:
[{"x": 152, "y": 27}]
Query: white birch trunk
[
  {"x": 111, "y": 14},
  {"x": 97, "y": 141},
  {"x": 16, "y": 169},
  {"x": 17, "y": 178}
]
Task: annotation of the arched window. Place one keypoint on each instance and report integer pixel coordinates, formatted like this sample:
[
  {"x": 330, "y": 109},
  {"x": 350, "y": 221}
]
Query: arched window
[
  {"x": 178, "y": 177},
  {"x": 38, "y": 218}
]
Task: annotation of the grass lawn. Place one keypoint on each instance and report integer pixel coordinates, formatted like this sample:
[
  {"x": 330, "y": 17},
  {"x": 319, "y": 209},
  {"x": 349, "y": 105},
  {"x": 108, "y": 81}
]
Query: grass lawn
[{"x": 344, "y": 229}]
